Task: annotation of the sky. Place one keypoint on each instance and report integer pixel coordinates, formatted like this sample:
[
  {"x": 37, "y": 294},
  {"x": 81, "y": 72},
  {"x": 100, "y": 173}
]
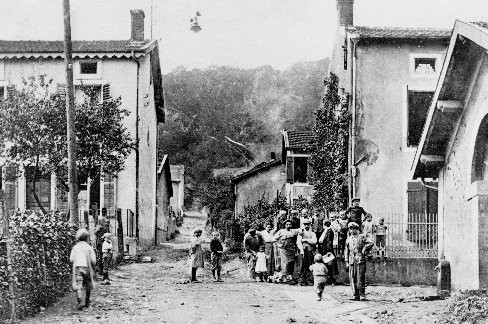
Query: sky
[{"x": 239, "y": 33}]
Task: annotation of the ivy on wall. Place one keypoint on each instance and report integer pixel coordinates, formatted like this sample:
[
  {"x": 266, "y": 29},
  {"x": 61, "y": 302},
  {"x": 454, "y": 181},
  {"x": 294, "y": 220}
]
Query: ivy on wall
[{"x": 329, "y": 158}]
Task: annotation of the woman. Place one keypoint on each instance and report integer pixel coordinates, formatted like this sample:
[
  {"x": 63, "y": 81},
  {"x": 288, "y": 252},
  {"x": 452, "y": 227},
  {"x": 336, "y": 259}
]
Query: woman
[
  {"x": 287, "y": 245},
  {"x": 326, "y": 247},
  {"x": 196, "y": 254}
]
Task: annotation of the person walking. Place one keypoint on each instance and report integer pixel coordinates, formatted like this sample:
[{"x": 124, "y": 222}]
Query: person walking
[
  {"x": 287, "y": 238},
  {"x": 357, "y": 246},
  {"x": 252, "y": 242},
  {"x": 83, "y": 260},
  {"x": 196, "y": 255},
  {"x": 319, "y": 271}
]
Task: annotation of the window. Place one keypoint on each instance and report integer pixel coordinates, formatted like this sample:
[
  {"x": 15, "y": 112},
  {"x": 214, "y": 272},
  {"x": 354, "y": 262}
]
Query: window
[
  {"x": 418, "y": 107},
  {"x": 298, "y": 169},
  {"x": 42, "y": 189},
  {"x": 88, "y": 67},
  {"x": 425, "y": 65},
  {"x": 101, "y": 90},
  {"x": 109, "y": 192}
]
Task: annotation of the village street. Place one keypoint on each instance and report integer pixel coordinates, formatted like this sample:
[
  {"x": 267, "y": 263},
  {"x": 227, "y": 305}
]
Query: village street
[{"x": 158, "y": 293}]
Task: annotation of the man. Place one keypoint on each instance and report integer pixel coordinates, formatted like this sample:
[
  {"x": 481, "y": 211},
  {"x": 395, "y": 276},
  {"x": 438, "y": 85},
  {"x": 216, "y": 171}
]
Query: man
[
  {"x": 305, "y": 217},
  {"x": 101, "y": 229},
  {"x": 252, "y": 242},
  {"x": 357, "y": 246},
  {"x": 295, "y": 220},
  {"x": 356, "y": 212},
  {"x": 287, "y": 245},
  {"x": 269, "y": 240},
  {"x": 306, "y": 244},
  {"x": 83, "y": 259}
]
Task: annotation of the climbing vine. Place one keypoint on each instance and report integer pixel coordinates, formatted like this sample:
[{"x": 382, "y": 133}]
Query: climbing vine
[{"x": 329, "y": 157}]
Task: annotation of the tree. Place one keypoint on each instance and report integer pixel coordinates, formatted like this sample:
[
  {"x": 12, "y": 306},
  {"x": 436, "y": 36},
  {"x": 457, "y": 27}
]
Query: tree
[
  {"x": 33, "y": 133},
  {"x": 329, "y": 156}
]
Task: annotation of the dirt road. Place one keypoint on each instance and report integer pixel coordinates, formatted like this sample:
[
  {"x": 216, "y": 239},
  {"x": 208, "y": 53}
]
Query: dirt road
[{"x": 158, "y": 293}]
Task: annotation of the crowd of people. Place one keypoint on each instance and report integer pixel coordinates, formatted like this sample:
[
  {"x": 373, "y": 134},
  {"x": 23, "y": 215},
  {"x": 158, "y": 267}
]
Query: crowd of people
[{"x": 305, "y": 248}]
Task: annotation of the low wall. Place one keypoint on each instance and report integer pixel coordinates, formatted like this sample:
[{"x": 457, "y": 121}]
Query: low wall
[{"x": 401, "y": 271}]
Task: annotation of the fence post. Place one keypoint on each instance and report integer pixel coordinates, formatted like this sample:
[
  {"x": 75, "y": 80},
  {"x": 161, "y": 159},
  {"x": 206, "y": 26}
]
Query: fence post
[
  {"x": 6, "y": 231},
  {"x": 120, "y": 234}
]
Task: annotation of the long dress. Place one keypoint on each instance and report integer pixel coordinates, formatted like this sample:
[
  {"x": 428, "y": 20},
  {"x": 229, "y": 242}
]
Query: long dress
[
  {"x": 196, "y": 253},
  {"x": 326, "y": 245},
  {"x": 287, "y": 246}
]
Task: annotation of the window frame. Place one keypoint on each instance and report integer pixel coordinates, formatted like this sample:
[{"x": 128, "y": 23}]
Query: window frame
[
  {"x": 438, "y": 65},
  {"x": 87, "y": 76}
]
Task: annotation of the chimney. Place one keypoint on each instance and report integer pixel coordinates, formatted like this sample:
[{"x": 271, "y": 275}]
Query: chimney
[
  {"x": 137, "y": 26},
  {"x": 346, "y": 10},
  {"x": 273, "y": 156}
]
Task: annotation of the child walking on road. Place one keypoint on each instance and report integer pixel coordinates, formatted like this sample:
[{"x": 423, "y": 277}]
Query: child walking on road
[
  {"x": 216, "y": 256},
  {"x": 83, "y": 259},
  {"x": 261, "y": 268},
  {"x": 319, "y": 271}
]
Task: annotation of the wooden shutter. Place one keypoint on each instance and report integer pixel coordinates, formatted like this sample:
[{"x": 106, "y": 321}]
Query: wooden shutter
[
  {"x": 10, "y": 90},
  {"x": 310, "y": 178},
  {"x": 289, "y": 169},
  {"x": 106, "y": 92},
  {"x": 62, "y": 89}
]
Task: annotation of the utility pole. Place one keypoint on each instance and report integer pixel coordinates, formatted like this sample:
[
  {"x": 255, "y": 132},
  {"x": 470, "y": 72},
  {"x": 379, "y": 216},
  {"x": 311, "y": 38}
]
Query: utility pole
[{"x": 70, "y": 116}]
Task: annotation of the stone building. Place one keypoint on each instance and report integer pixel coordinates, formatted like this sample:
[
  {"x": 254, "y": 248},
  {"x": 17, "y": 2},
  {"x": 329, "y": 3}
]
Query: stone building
[
  {"x": 453, "y": 149},
  {"x": 390, "y": 75},
  {"x": 127, "y": 68}
]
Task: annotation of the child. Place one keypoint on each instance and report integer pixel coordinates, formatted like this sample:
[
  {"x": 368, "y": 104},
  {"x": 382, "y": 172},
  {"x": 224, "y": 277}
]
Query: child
[
  {"x": 380, "y": 231},
  {"x": 261, "y": 268},
  {"x": 319, "y": 271},
  {"x": 106, "y": 257},
  {"x": 83, "y": 259},
  {"x": 216, "y": 257},
  {"x": 342, "y": 237},
  {"x": 368, "y": 226}
]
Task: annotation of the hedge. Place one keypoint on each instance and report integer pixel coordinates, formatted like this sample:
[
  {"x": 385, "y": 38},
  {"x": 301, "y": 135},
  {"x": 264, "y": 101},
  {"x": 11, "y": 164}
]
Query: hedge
[{"x": 41, "y": 269}]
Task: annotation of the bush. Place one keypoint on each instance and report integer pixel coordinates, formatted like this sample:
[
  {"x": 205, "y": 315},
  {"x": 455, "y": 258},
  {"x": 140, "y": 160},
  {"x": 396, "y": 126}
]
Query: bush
[
  {"x": 41, "y": 246},
  {"x": 469, "y": 306}
]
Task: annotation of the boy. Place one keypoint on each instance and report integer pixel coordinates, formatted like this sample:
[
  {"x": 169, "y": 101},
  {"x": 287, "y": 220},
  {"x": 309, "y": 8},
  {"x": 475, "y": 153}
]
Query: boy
[
  {"x": 83, "y": 259},
  {"x": 216, "y": 257},
  {"x": 380, "y": 231},
  {"x": 106, "y": 257},
  {"x": 319, "y": 271}
]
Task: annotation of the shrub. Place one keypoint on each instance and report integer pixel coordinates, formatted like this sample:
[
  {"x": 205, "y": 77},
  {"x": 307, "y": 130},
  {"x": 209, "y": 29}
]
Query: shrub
[
  {"x": 41, "y": 269},
  {"x": 469, "y": 306}
]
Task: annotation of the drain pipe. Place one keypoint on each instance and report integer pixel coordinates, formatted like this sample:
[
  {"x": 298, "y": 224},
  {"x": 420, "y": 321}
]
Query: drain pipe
[
  {"x": 353, "y": 122},
  {"x": 137, "y": 143}
]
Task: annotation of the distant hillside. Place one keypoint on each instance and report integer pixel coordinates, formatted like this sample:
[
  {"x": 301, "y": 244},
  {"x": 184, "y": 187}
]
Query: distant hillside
[{"x": 227, "y": 117}]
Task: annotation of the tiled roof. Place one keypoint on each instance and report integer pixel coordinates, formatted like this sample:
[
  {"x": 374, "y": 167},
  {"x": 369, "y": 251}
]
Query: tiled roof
[
  {"x": 99, "y": 46},
  {"x": 399, "y": 32},
  {"x": 299, "y": 139},
  {"x": 264, "y": 166}
]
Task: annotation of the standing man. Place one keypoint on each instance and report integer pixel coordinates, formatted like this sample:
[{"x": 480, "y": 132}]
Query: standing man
[
  {"x": 357, "y": 246},
  {"x": 287, "y": 245},
  {"x": 356, "y": 212},
  {"x": 269, "y": 240},
  {"x": 306, "y": 243},
  {"x": 252, "y": 242},
  {"x": 305, "y": 217},
  {"x": 102, "y": 228}
]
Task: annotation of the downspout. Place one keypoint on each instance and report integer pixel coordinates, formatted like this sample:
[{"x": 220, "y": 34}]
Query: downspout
[
  {"x": 137, "y": 143},
  {"x": 353, "y": 121}
]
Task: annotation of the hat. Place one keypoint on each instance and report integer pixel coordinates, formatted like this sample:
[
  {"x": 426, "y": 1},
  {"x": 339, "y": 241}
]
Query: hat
[
  {"x": 106, "y": 235},
  {"x": 287, "y": 221},
  {"x": 353, "y": 224},
  {"x": 328, "y": 257},
  {"x": 282, "y": 212},
  {"x": 307, "y": 221},
  {"x": 82, "y": 235},
  {"x": 317, "y": 257},
  {"x": 304, "y": 210},
  {"x": 294, "y": 211},
  {"x": 355, "y": 199}
]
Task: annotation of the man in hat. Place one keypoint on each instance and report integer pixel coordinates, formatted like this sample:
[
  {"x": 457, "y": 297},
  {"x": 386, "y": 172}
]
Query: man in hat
[
  {"x": 356, "y": 212},
  {"x": 269, "y": 242},
  {"x": 305, "y": 217},
  {"x": 286, "y": 241},
  {"x": 252, "y": 242},
  {"x": 295, "y": 220},
  {"x": 306, "y": 243},
  {"x": 83, "y": 260},
  {"x": 357, "y": 247}
]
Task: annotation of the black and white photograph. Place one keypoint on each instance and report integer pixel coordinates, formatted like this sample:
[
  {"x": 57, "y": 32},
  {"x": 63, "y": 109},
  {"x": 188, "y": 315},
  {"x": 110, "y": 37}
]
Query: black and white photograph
[{"x": 244, "y": 161}]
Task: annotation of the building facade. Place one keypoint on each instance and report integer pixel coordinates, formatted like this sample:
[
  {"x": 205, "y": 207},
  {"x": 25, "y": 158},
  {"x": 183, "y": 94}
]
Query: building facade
[{"x": 128, "y": 69}]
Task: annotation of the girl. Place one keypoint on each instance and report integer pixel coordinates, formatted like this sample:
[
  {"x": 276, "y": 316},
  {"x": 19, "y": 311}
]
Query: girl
[
  {"x": 261, "y": 268},
  {"x": 196, "y": 255}
]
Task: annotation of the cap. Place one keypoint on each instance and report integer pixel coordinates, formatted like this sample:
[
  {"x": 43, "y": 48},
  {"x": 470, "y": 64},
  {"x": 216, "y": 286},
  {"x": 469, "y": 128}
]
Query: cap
[
  {"x": 106, "y": 235},
  {"x": 328, "y": 257},
  {"x": 287, "y": 221},
  {"x": 353, "y": 224},
  {"x": 304, "y": 210},
  {"x": 82, "y": 234},
  {"x": 307, "y": 221},
  {"x": 355, "y": 199},
  {"x": 282, "y": 212},
  {"x": 294, "y": 211},
  {"x": 317, "y": 257}
]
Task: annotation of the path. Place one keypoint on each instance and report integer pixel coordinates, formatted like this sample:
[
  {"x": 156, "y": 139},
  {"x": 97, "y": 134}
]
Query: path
[{"x": 157, "y": 293}]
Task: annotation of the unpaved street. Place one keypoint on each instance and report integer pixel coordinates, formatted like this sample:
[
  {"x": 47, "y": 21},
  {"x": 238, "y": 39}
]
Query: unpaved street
[{"x": 158, "y": 293}]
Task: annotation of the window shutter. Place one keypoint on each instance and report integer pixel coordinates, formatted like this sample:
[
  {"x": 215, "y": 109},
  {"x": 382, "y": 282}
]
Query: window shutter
[
  {"x": 62, "y": 89},
  {"x": 10, "y": 90},
  {"x": 310, "y": 179},
  {"x": 289, "y": 169},
  {"x": 106, "y": 92}
]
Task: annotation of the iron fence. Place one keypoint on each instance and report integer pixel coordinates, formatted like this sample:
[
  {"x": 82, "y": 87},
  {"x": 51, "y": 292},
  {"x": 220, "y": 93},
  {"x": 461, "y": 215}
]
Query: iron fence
[{"x": 414, "y": 235}]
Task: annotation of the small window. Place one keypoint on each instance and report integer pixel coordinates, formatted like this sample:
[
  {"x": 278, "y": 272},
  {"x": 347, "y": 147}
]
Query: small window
[
  {"x": 418, "y": 107},
  {"x": 300, "y": 169},
  {"x": 88, "y": 68},
  {"x": 425, "y": 65}
]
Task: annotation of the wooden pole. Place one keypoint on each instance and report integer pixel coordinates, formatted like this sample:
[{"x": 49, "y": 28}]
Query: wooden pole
[
  {"x": 6, "y": 232},
  {"x": 70, "y": 116}
]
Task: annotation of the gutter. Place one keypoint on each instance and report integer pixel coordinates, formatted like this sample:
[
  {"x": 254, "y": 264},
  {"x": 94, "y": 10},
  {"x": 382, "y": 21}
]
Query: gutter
[
  {"x": 353, "y": 122},
  {"x": 137, "y": 143}
]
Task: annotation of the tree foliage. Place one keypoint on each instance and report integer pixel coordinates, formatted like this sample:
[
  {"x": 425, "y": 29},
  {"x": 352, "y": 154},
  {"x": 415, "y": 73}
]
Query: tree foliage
[
  {"x": 329, "y": 157},
  {"x": 33, "y": 133}
]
